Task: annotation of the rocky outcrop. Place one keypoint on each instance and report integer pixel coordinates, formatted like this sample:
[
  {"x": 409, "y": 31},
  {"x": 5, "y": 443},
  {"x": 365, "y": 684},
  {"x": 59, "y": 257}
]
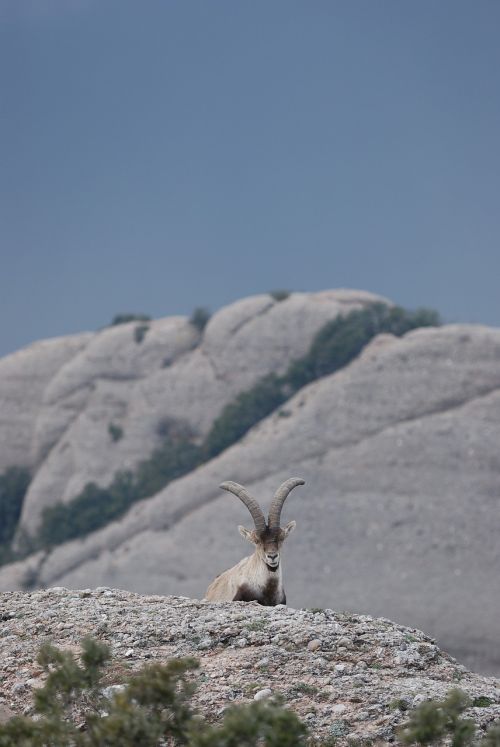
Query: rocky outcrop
[
  {"x": 59, "y": 397},
  {"x": 24, "y": 377},
  {"x": 399, "y": 515},
  {"x": 347, "y": 676}
]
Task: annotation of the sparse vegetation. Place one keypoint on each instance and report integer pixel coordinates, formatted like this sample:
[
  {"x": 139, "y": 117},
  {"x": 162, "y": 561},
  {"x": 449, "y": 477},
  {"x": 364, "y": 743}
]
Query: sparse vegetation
[
  {"x": 200, "y": 318},
  {"x": 239, "y": 416},
  {"x": 126, "y": 318},
  {"x": 257, "y": 625},
  {"x": 399, "y": 704},
  {"x": 482, "y": 702},
  {"x": 14, "y": 483},
  {"x": 174, "y": 429},
  {"x": 433, "y": 721},
  {"x": 335, "y": 345},
  {"x": 302, "y": 688},
  {"x": 338, "y": 342},
  {"x": 279, "y": 295},
  {"x": 95, "y": 507},
  {"x": 115, "y": 432},
  {"x": 153, "y": 707},
  {"x": 140, "y": 332}
]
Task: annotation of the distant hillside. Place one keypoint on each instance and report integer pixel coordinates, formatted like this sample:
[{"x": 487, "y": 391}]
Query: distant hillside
[{"x": 399, "y": 450}]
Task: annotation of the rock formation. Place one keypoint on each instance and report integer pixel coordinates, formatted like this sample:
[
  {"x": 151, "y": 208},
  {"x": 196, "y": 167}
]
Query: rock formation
[
  {"x": 399, "y": 515},
  {"x": 347, "y": 676},
  {"x": 59, "y": 397}
]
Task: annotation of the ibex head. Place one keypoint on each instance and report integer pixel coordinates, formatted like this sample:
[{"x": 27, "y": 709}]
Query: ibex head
[{"x": 267, "y": 537}]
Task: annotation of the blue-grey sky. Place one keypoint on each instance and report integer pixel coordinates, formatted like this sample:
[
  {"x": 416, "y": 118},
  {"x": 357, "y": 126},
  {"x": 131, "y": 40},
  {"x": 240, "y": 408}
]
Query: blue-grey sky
[{"x": 157, "y": 155}]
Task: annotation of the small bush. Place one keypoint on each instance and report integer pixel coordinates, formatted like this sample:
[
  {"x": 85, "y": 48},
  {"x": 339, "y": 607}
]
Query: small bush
[
  {"x": 92, "y": 509},
  {"x": 482, "y": 702},
  {"x": 338, "y": 342},
  {"x": 126, "y": 318},
  {"x": 153, "y": 708},
  {"x": 174, "y": 429},
  {"x": 167, "y": 463},
  {"x": 335, "y": 345},
  {"x": 115, "y": 432},
  {"x": 140, "y": 332},
  {"x": 14, "y": 483},
  {"x": 13, "y": 486},
  {"x": 239, "y": 416},
  {"x": 492, "y": 737},
  {"x": 95, "y": 507},
  {"x": 433, "y": 721},
  {"x": 279, "y": 295},
  {"x": 200, "y": 318}
]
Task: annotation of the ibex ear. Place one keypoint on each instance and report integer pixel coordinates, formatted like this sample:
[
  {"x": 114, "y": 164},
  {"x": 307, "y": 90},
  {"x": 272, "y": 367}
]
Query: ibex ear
[
  {"x": 246, "y": 534},
  {"x": 289, "y": 528}
]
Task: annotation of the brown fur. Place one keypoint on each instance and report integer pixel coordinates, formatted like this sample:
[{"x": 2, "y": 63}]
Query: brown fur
[
  {"x": 269, "y": 596},
  {"x": 257, "y": 578}
]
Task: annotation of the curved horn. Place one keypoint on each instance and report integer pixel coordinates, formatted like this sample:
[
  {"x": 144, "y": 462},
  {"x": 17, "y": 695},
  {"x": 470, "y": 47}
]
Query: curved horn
[
  {"x": 250, "y": 503},
  {"x": 279, "y": 498}
]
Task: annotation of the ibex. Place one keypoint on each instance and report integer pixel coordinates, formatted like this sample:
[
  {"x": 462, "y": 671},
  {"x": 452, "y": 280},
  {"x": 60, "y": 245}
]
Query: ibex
[{"x": 258, "y": 577}]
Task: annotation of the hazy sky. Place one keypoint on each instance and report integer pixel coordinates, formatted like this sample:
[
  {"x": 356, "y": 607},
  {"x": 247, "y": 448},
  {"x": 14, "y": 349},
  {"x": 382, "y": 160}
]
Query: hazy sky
[{"x": 157, "y": 155}]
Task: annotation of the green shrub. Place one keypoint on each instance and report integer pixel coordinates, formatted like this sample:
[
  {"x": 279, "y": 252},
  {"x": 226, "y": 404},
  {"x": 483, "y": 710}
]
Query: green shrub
[
  {"x": 153, "y": 708},
  {"x": 248, "y": 408},
  {"x": 167, "y": 463},
  {"x": 95, "y": 507},
  {"x": 92, "y": 509},
  {"x": 200, "y": 318},
  {"x": 13, "y": 486},
  {"x": 115, "y": 432},
  {"x": 14, "y": 483},
  {"x": 482, "y": 702},
  {"x": 433, "y": 721},
  {"x": 126, "y": 318},
  {"x": 492, "y": 737},
  {"x": 335, "y": 345},
  {"x": 140, "y": 332},
  {"x": 279, "y": 295},
  {"x": 338, "y": 342},
  {"x": 254, "y": 724},
  {"x": 174, "y": 429}
]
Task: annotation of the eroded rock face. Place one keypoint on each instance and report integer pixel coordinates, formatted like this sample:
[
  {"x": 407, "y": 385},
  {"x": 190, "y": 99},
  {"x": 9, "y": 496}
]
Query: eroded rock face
[
  {"x": 24, "y": 377},
  {"x": 399, "y": 515},
  {"x": 59, "y": 397},
  {"x": 345, "y": 675},
  {"x": 400, "y": 512}
]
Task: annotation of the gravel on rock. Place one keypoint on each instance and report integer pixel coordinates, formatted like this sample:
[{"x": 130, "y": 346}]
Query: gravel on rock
[{"x": 351, "y": 686}]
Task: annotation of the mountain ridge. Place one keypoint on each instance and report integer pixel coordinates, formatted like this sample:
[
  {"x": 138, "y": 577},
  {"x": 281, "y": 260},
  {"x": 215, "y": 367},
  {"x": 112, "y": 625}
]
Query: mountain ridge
[{"x": 399, "y": 515}]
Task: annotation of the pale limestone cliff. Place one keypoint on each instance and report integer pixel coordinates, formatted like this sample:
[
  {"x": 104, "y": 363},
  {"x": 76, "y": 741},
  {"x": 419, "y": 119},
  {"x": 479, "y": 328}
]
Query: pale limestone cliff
[
  {"x": 400, "y": 512},
  {"x": 60, "y": 396}
]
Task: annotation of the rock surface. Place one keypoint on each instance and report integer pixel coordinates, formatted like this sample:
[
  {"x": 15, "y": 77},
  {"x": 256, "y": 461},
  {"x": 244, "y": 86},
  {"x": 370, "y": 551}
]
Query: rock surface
[
  {"x": 24, "y": 377},
  {"x": 59, "y": 397},
  {"x": 400, "y": 512},
  {"x": 353, "y": 685}
]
